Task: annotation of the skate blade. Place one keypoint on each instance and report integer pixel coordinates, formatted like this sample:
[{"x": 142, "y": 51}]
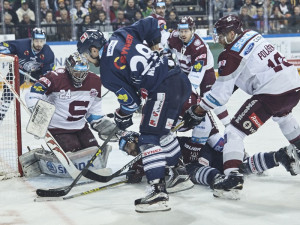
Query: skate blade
[
  {"x": 188, "y": 184},
  {"x": 233, "y": 194},
  {"x": 146, "y": 208}
]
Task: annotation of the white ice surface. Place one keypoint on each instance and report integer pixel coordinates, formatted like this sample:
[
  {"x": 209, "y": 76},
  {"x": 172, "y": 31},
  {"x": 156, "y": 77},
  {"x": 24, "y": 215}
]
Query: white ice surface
[{"x": 272, "y": 199}]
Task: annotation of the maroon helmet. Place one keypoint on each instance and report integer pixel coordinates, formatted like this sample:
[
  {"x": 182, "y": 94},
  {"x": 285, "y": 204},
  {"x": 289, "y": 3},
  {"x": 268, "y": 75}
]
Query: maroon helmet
[
  {"x": 228, "y": 23},
  {"x": 186, "y": 23}
]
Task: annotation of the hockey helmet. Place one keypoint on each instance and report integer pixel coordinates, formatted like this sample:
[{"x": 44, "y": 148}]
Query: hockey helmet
[
  {"x": 186, "y": 22},
  {"x": 78, "y": 67},
  {"x": 226, "y": 24},
  {"x": 90, "y": 38},
  {"x": 159, "y": 3},
  {"x": 38, "y": 33}
]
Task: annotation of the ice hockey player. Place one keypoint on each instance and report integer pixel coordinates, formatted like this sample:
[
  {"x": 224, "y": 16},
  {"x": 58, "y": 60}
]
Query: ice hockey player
[
  {"x": 252, "y": 64},
  {"x": 76, "y": 94},
  {"x": 130, "y": 69},
  {"x": 195, "y": 59},
  {"x": 35, "y": 59}
]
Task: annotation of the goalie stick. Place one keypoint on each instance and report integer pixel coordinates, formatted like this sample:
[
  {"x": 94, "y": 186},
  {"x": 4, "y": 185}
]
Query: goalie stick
[
  {"x": 43, "y": 199},
  {"x": 51, "y": 142},
  {"x": 85, "y": 172},
  {"x": 57, "y": 192}
]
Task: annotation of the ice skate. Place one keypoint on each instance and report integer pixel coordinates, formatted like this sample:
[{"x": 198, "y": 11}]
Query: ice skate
[
  {"x": 228, "y": 187},
  {"x": 289, "y": 157},
  {"x": 179, "y": 180},
  {"x": 156, "y": 200}
]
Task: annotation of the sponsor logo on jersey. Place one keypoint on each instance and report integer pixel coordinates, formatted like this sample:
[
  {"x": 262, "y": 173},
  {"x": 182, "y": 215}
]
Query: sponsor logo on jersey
[
  {"x": 240, "y": 43},
  {"x": 93, "y": 93},
  {"x": 202, "y": 56},
  {"x": 122, "y": 62},
  {"x": 51, "y": 167},
  {"x": 247, "y": 124},
  {"x": 169, "y": 123},
  {"x": 46, "y": 81},
  {"x": 247, "y": 108},
  {"x": 83, "y": 37},
  {"x": 38, "y": 88},
  {"x": 256, "y": 120},
  {"x": 111, "y": 47},
  {"x": 157, "y": 108},
  {"x": 249, "y": 49},
  {"x": 203, "y": 161},
  {"x": 198, "y": 66},
  {"x": 124, "y": 97},
  {"x": 152, "y": 152},
  {"x": 5, "y": 44}
]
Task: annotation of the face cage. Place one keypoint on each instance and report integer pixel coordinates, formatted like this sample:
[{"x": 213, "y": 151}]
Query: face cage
[
  {"x": 215, "y": 36},
  {"x": 77, "y": 80}
]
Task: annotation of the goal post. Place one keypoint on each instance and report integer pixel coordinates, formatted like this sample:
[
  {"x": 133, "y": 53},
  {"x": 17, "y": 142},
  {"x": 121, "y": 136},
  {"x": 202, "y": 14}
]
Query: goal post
[{"x": 10, "y": 120}]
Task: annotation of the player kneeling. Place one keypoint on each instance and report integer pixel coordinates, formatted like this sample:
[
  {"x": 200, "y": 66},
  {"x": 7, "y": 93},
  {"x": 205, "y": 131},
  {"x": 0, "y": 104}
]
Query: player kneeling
[{"x": 76, "y": 94}]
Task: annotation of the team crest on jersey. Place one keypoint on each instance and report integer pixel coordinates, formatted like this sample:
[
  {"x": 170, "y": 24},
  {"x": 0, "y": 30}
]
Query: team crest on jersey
[
  {"x": 124, "y": 97},
  {"x": 42, "y": 56},
  {"x": 46, "y": 81},
  {"x": 93, "y": 93},
  {"x": 197, "y": 42},
  {"x": 26, "y": 52},
  {"x": 175, "y": 33},
  {"x": 5, "y": 44},
  {"x": 198, "y": 66}
]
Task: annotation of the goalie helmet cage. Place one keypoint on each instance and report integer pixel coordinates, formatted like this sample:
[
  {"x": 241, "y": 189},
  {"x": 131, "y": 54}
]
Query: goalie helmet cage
[{"x": 10, "y": 126}]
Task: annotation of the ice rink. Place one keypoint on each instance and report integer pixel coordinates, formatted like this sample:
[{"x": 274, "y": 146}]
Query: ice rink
[{"x": 271, "y": 199}]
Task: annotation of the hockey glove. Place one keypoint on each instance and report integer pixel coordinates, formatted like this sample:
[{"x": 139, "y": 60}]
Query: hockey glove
[
  {"x": 137, "y": 172},
  {"x": 123, "y": 121},
  {"x": 104, "y": 127},
  {"x": 191, "y": 119},
  {"x": 129, "y": 143}
]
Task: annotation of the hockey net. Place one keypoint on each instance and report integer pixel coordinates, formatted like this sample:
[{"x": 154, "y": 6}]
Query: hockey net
[{"x": 10, "y": 119}]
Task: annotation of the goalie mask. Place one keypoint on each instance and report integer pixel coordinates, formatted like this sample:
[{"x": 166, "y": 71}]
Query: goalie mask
[
  {"x": 38, "y": 39},
  {"x": 226, "y": 24},
  {"x": 78, "y": 68}
]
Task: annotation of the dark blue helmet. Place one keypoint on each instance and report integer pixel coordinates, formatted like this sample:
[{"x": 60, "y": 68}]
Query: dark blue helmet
[
  {"x": 38, "y": 33},
  {"x": 90, "y": 38}
]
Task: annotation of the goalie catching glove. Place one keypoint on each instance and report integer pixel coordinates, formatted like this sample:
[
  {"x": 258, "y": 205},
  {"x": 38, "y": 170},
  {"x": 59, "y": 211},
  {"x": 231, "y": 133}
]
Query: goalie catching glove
[{"x": 104, "y": 127}]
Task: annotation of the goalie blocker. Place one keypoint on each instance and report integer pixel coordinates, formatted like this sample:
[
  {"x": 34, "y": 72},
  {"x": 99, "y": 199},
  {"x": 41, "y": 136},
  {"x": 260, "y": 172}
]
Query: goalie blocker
[{"x": 40, "y": 161}]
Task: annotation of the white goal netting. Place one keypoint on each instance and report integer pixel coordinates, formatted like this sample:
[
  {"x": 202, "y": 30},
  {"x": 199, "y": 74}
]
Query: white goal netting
[{"x": 10, "y": 122}]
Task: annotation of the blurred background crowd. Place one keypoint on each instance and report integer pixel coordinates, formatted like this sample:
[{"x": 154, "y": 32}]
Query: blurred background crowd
[{"x": 65, "y": 20}]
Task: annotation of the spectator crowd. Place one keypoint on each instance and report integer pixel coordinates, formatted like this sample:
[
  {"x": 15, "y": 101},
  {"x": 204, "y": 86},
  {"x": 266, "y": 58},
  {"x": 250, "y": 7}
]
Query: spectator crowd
[{"x": 56, "y": 16}]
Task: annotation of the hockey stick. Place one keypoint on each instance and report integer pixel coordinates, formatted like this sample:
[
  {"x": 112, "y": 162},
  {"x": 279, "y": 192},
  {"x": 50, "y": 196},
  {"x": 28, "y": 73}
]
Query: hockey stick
[
  {"x": 50, "y": 140},
  {"x": 139, "y": 156},
  {"x": 85, "y": 172},
  {"x": 43, "y": 199}
]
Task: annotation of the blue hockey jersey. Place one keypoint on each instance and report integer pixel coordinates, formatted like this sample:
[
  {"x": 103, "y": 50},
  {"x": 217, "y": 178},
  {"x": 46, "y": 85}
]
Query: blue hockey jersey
[
  {"x": 127, "y": 66},
  {"x": 36, "y": 64}
]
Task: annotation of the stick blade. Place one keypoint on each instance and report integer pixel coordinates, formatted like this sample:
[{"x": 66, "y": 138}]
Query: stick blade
[{"x": 51, "y": 192}]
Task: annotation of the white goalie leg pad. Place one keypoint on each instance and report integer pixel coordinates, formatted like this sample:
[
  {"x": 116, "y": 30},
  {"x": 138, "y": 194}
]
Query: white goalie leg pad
[
  {"x": 50, "y": 165},
  {"x": 30, "y": 164}
]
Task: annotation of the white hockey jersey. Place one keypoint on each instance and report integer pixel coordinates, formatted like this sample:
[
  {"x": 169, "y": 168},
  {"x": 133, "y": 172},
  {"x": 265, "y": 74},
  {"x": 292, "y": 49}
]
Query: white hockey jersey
[
  {"x": 74, "y": 106},
  {"x": 255, "y": 66}
]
